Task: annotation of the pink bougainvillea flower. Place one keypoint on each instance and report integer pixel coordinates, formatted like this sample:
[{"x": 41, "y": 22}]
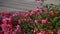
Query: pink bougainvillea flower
[
  {"x": 29, "y": 11},
  {"x": 38, "y": 32},
  {"x": 33, "y": 12},
  {"x": 25, "y": 15},
  {"x": 29, "y": 19},
  {"x": 16, "y": 14},
  {"x": 23, "y": 32},
  {"x": 7, "y": 20},
  {"x": 9, "y": 27},
  {"x": 48, "y": 22},
  {"x": 37, "y": 21},
  {"x": 50, "y": 32},
  {"x": 4, "y": 21},
  {"x": 10, "y": 20},
  {"x": 7, "y": 32},
  {"x": 1, "y": 32},
  {"x": 44, "y": 21},
  {"x": 14, "y": 32},
  {"x": 21, "y": 21},
  {"x": 43, "y": 32},
  {"x": 6, "y": 14},
  {"x": 34, "y": 30},
  {"x": 58, "y": 31},
  {"x": 18, "y": 28},
  {"x": 4, "y": 27},
  {"x": 39, "y": 11},
  {"x": 24, "y": 19}
]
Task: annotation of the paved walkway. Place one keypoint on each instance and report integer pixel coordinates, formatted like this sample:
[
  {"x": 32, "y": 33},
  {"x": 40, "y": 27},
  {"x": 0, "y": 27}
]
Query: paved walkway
[{"x": 22, "y": 4}]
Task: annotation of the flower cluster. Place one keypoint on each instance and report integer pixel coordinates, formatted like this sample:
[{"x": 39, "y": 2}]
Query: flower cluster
[{"x": 37, "y": 21}]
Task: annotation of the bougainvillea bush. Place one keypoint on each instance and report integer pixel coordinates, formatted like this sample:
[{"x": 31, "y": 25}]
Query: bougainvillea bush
[{"x": 39, "y": 21}]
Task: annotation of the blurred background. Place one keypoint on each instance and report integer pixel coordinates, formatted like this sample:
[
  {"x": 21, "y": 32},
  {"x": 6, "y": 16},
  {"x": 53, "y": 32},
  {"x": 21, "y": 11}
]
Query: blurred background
[{"x": 22, "y": 5}]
